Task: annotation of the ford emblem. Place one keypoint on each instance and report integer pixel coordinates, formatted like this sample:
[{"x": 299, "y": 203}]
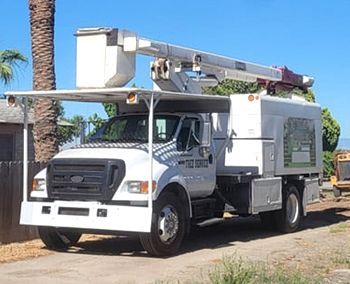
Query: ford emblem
[{"x": 76, "y": 179}]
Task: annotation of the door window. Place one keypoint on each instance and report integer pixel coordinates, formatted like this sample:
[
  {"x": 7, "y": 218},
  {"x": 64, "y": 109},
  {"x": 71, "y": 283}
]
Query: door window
[{"x": 189, "y": 134}]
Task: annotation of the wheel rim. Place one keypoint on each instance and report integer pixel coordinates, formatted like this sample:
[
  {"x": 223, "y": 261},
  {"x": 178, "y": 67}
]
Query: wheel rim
[
  {"x": 292, "y": 208},
  {"x": 168, "y": 224}
]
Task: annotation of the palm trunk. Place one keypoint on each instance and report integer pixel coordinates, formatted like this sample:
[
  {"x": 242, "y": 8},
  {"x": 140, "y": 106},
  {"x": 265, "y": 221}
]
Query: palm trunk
[{"x": 42, "y": 32}]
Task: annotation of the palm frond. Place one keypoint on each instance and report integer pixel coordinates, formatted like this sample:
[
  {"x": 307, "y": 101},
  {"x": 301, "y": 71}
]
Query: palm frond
[
  {"x": 10, "y": 59},
  {"x": 11, "y": 56},
  {"x": 6, "y": 74}
]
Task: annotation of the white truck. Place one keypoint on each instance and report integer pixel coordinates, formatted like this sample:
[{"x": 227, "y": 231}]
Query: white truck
[{"x": 174, "y": 157}]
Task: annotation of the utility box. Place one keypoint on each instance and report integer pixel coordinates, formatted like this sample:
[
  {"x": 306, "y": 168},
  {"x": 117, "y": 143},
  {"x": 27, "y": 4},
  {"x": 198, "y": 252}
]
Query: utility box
[
  {"x": 101, "y": 60},
  {"x": 270, "y": 136}
]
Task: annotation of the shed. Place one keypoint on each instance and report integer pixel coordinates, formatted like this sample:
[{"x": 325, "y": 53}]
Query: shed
[{"x": 11, "y": 133}]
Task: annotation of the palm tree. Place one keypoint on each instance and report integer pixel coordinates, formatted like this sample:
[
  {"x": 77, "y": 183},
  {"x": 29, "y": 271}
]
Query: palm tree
[
  {"x": 42, "y": 19},
  {"x": 9, "y": 59}
]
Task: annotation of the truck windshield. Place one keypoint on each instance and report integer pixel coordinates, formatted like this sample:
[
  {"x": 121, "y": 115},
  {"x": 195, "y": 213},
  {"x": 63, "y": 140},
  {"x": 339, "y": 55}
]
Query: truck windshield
[
  {"x": 134, "y": 128},
  {"x": 344, "y": 170}
]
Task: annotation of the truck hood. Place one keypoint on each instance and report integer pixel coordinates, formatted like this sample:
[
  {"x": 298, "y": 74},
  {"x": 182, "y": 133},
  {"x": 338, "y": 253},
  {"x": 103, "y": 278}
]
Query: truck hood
[
  {"x": 125, "y": 154},
  {"x": 133, "y": 154}
]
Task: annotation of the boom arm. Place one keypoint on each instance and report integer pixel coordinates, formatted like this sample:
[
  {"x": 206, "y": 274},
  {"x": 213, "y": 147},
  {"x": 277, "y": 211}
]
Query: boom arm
[{"x": 175, "y": 68}]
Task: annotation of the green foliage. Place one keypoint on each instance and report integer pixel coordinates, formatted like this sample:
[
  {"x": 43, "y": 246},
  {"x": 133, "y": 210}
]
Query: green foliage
[
  {"x": 328, "y": 167},
  {"x": 237, "y": 271},
  {"x": 68, "y": 129},
  {"x": 330, "y": 131},
  {"x": 97, "y": 122},
  {"x": 66, "y": 133},
  {"x": 60, "y": 108},
  {"x": 308, "y": 95},
  {"x": 9, "y": 59},
  {"x": 229, "y": 87},
  {"x": 111, "y": 109}
]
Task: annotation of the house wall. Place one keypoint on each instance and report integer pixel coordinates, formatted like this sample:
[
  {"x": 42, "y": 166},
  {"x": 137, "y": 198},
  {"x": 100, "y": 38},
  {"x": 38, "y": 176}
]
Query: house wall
[{"x": 17, "y": 131}]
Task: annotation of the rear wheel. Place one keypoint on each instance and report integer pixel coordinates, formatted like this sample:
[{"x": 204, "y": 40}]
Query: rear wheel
[
  {"x": 288, "y": 218},
  {"x": 57, "y": 239},
  {"x": 336, "y": 191},
  {"x": 168, "y": 226}
]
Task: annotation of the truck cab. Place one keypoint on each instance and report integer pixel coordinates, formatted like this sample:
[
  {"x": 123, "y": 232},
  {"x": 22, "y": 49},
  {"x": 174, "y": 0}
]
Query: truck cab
[{"x": 119, "y": 152}]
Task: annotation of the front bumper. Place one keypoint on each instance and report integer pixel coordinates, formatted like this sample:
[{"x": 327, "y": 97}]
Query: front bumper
[{"x": 86, "y": 215}]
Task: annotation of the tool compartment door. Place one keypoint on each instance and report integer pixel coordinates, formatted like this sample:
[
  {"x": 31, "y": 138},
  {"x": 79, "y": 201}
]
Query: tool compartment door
[{"x": 266, "y": 194}]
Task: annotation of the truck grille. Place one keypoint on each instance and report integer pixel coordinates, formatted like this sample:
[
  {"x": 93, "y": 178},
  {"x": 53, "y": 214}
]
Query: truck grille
[{"x": 84, "y": 179}]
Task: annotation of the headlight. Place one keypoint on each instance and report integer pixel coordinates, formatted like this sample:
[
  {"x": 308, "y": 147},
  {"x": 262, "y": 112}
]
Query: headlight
[
  {"x": 140, "y": 186},
  {"x": 38, "y": 185}
]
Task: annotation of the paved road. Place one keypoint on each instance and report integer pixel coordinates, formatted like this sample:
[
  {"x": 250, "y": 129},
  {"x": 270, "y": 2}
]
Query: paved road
[{"x": 121, "y": 259}]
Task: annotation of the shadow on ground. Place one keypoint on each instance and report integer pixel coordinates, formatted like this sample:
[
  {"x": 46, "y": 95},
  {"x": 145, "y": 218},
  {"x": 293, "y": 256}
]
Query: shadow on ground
[{"x": 222, "y": 234}]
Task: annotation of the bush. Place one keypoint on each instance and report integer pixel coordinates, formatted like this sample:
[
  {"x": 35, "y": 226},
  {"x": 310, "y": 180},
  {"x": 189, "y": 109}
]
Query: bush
[{"x": 328, "y": 167}]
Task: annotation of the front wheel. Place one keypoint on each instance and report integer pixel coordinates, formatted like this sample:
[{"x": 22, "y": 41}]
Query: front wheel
[
  {"x": 168, "y": 226},
  {"x": 57, "y": 239},
  {"x": 288, "y": 218}
]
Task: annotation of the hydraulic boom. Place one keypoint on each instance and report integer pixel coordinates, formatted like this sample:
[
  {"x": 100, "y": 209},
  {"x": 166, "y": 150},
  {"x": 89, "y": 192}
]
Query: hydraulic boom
[{"x": 175, "y": 68}]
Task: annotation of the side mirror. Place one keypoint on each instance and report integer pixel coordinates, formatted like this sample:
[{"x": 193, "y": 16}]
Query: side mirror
[
  {"x": 205, "y": 142},
  {"x": 206, "y": 135}
]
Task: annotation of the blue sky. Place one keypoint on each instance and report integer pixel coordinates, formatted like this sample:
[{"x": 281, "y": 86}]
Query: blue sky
[{"x": 310, "y": 37}]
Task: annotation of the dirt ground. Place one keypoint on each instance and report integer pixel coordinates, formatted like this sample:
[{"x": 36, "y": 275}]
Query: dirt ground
[{"x": 320, "y": 248}]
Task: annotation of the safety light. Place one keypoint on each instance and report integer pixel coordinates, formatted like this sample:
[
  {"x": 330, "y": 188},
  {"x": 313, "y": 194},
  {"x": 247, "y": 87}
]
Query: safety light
[
  {"x": 11, "y": 101},
  {"x": 132, "y": 98},
  {"x": 251, "y": 98}
]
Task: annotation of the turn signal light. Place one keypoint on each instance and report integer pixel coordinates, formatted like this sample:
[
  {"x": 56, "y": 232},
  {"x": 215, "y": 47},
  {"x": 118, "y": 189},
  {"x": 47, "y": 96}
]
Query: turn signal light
[{"x": 144, "y": 186}]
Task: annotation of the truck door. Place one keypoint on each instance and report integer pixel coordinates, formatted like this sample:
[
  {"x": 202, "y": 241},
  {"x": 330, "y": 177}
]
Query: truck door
[{"x": 198, "y": 170}]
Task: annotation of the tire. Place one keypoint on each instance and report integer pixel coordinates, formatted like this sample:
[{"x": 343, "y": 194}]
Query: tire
[
  {"x": 168, "y": 213},
  {"x": 58, "y": 240},
  {"x": 288, "y": 218},
  {"x": 336, "y": 191},
  {"x": 219, "y": 209}
]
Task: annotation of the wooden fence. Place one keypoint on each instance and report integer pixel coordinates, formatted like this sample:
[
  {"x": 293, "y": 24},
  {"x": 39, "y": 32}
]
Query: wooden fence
[{"x": 11, "y": 182}]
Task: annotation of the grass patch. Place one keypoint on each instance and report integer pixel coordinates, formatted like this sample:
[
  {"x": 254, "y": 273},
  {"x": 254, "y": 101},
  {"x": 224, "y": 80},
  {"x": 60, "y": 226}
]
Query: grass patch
[
  {"x": 342, "y": 260},
  {"x": 339, "y": 228},
  {"x": 236, "y": 271}
]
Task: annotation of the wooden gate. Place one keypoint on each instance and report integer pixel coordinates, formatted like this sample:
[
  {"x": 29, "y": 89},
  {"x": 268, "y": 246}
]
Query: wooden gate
[{"x": 11, "y": 181}]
